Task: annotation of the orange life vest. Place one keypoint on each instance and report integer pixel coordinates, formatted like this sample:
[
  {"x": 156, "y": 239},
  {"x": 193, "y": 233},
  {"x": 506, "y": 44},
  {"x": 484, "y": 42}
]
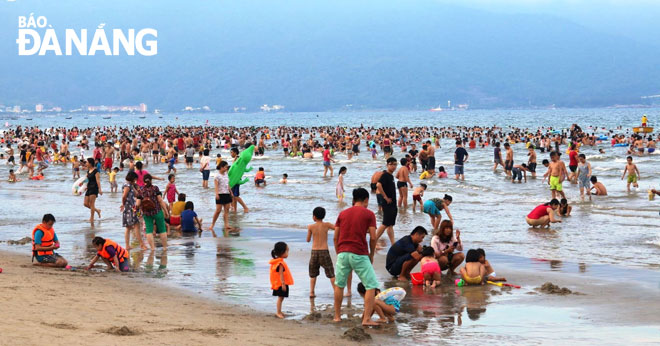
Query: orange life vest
[
  {"x": 47, "y": 240},
  {"x": 275, "y": 282},
  {"x": 122, "y": 254}
]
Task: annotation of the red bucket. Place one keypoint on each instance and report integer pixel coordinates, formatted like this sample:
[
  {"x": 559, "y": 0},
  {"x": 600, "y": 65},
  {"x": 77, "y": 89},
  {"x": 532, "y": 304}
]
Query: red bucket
[{"x": 417, "y": 278}]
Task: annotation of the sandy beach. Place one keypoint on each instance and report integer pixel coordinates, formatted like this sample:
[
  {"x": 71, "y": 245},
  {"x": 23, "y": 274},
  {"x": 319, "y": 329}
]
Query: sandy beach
[{"x": 77, "y": 307}]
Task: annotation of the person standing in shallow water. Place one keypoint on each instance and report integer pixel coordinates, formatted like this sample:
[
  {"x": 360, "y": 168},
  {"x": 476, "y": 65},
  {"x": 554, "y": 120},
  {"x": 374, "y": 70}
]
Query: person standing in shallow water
[
  {"x": 93, "y": 189},
  {"x": 387, "y": 190},
  {"x": 353, "y": 254}
]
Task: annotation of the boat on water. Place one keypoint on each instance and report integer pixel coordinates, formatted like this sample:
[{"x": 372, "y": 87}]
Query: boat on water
[
  {"x": 436, "y": 109},
  {"x": 142, "y": 116},
  {"x": 644, "y": 129},
  {"x": 28, "y": 118},
  {"x": 107, "y": 117},
  {"x": 68, "y": 118}
]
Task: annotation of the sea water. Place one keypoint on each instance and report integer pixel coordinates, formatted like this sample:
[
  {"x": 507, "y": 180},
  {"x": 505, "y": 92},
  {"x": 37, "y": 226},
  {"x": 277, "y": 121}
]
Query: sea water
[{"x": 620, "y": 229}]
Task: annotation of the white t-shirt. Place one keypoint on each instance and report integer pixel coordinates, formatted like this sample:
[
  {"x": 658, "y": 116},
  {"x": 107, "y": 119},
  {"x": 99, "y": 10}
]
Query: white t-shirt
[{"x": 204, "y": 163}]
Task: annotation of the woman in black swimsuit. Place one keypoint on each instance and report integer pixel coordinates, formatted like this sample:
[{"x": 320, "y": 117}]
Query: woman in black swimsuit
[{"x": 93, "y": 189}]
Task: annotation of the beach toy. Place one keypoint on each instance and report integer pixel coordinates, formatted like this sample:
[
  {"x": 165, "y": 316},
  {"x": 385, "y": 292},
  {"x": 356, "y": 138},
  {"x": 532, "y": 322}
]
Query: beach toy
[
  {"x": 621, "y": 145},
  {"x": 651, "y": 195},
  {"x": 0, "y": 270},
  {"x": 459, "y": 283},
  {"x": 240, "y": 167},
  {"x": 67, "y": 267},
  {"x": 417, "y": 278},
  {"x": 500, "y": 284},
  {"x": 79, "y": 186},
  {"x": 397, "y": 293}
]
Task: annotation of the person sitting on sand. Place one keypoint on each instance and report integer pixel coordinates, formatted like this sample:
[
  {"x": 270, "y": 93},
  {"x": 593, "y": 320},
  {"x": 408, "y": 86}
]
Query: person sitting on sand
[
  {"x": 44, "y": 242},
  {"x": 190, "y": 223},
  {"x": 115, "y": 256},
  {"x": 444, "y": 244},
  {"x": 599, "y": 188},
  {"x": 473, "y": 273},
  {"x": 490, "y": 272},
  {"x": 543, "y": 214},
  {"x": 404, "y": 255}
]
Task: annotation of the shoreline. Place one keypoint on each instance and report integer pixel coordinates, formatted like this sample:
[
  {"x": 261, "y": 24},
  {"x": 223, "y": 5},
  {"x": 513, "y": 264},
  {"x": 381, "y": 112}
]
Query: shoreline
[{"x": 86, "y": 306}]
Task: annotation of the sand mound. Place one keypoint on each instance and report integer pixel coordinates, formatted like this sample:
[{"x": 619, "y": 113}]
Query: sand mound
[
  {"x": 121, "y": 331},
  {"x": 356, "y": 334},
  {"x": 550, "y": 288},
  {"x": 21, "y": 241}
]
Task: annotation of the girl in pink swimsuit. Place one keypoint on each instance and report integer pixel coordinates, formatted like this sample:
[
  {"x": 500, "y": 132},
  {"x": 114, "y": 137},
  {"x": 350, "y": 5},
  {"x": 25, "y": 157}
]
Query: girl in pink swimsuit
[{"x": 430, "y": 267}]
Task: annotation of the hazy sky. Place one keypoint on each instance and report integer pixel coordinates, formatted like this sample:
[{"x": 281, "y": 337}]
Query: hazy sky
[{"x": 636, "y": 19}]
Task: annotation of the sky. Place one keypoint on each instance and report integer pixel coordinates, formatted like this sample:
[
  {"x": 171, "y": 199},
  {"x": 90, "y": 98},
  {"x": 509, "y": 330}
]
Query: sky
[{"x": 636, "y": 19}]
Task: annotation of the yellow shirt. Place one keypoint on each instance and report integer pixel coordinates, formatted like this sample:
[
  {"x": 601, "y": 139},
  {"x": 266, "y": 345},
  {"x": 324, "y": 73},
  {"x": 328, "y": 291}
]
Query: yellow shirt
[
  {"x": 112, "y": 175},
  {"x": 177, "y": 207}
]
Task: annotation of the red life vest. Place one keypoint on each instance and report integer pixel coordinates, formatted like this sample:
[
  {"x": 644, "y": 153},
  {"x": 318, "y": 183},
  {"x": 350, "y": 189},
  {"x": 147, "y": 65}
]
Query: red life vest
[
  {"x": 122, "y": 254},
  {"x": 47, "y": 240},
  {"x": 275, "y": 282}
]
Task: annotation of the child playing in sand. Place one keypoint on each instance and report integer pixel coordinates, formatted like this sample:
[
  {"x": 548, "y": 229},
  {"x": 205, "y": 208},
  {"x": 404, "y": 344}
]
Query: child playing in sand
[
  {"x": 318, "y": 231},
  {"x": 598, "y": 187},
  {"x": 633, "y": 173},
  {"x": 284, "y": 178},
  {"x": 260, "y": 177},
  {"x": 112, "y": 176},
  {"x": 170, "y": 190},
  {"x": 490, "y": 272},
  {"x": 441, "y": 172},
  {"x": 430, "y": 267},
  {"x": 280, "y": 276},
  {"x": 564, "y": 208},
  {"x": 387, "y": 303},
  {"x": 473, "y": 273},
  {"x": 418, "y": 193},
  {"x": 339, "y": 191}
]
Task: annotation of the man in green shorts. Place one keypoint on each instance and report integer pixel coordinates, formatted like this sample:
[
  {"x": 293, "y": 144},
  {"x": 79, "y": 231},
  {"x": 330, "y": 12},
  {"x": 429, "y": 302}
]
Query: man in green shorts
[{"x": 350, "y": 240}]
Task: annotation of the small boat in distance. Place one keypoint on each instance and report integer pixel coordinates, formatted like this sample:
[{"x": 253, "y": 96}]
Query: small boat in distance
[
  {"x": 107, "y": 117},
  {"x": 68, "y": 118}
]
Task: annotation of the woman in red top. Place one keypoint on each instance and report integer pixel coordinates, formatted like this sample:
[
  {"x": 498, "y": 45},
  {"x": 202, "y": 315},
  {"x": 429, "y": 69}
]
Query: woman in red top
[{"x": 543, "y": 214}]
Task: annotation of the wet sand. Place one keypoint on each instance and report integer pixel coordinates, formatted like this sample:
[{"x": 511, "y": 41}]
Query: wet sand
[{"x": 77, "y": 307}]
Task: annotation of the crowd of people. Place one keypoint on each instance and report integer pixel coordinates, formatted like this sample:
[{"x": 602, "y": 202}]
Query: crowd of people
[{"x": 145, "y": 208}]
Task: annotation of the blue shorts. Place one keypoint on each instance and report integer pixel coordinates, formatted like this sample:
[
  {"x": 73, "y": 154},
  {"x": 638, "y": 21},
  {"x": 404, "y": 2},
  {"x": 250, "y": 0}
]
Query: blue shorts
[
  {"x": 205, "y": 174},
  {"x": 236, "y": 190},
  {"x": 326, "y": 163},
  {"x": 458, "y": 169}
]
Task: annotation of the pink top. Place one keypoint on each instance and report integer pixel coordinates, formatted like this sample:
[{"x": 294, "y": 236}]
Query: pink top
[
  {"x": 171, "y": 192},
  {"x": 140, "y": 176},
  {"x": 438, "y": 246}
]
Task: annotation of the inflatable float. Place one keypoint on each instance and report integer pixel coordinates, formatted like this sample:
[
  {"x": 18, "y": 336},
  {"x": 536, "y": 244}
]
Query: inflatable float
[
  {"x": 79, "y": 186},
  {"x": 397, "y": 293}
]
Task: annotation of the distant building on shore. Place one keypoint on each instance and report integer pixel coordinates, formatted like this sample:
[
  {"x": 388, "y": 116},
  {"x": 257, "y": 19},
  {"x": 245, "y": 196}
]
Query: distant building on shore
[
  {"x": 39, "y": 108},
  {"x": 142, "y": 108}
]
